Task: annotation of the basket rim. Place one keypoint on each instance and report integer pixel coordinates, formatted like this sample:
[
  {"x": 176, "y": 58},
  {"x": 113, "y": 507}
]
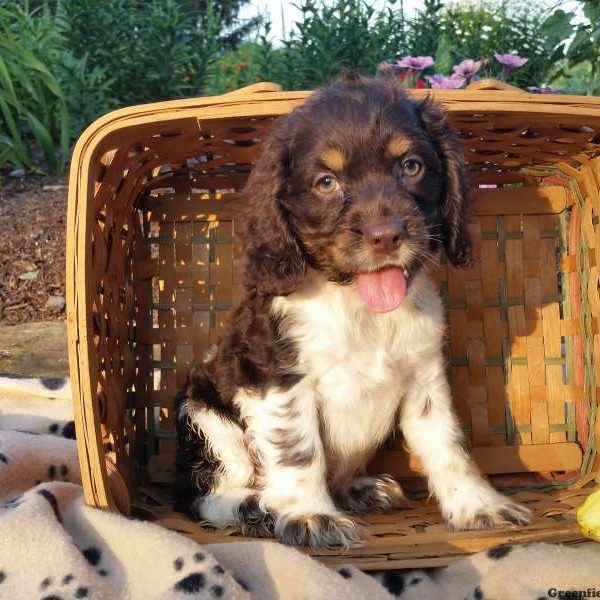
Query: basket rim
[{"x": 464, "y": 100}]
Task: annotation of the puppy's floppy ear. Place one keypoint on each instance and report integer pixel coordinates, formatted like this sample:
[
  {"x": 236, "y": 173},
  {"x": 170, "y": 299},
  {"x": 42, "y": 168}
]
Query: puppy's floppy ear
[
  {"x": 456, "y": 209},
  {"x": 349, "y": 75},
  {"x": 274, "y": 264}
]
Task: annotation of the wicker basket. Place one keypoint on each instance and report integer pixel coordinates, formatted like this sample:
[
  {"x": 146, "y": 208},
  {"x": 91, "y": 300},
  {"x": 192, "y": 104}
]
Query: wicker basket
[{"x": 152, "y": 274}]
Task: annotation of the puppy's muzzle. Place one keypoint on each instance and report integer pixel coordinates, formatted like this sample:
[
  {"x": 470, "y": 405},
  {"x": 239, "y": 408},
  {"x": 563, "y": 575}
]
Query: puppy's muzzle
[{"x": 385, "y": 237}]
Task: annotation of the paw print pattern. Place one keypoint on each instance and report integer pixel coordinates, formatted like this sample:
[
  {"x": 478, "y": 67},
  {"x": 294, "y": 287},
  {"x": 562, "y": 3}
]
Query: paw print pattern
[
  {"x": 498, "y": 552},
  {"x": 94, "y": 556},
  {"x": 393, "y": 581},
  {"x": 63, "y": 589},
  {"x": 203, "y": 577},
  {"x": 58, "y": 473},
  {"x": 12, "y": 503},
  {"x": 67, "y": 430},
  {"x": 51, "y": 498}
]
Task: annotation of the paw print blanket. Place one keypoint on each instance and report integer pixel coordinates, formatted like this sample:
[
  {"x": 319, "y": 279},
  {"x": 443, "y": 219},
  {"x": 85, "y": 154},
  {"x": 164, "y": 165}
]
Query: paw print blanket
[{"x": 54, "y": 547}]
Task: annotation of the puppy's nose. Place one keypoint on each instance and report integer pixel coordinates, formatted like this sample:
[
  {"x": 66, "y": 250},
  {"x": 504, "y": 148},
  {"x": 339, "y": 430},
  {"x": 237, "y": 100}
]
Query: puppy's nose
[{"x": 386, "y": 237}]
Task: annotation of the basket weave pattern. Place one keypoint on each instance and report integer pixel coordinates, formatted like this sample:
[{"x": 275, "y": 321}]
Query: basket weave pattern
[{"x": 155, "y": 192}]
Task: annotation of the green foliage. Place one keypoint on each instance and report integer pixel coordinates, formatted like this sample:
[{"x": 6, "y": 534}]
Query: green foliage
[
  {"x": 578, "y": 45},
  {"x": 65, "y": 62},
  {"x": 575, "y": 79},
  {"x": 88, "y": 92},
  {"x": 151, "y": 50},
  {"x": 348, "y": 34},
  {"x": 235, "y": 69},
  {"x": 425, "y": 29},
  {"x": 33, "y": 111}
]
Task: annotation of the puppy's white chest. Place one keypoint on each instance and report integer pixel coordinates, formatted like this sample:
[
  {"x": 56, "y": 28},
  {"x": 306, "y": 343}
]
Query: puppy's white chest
[{"x": 359, "y": 363}]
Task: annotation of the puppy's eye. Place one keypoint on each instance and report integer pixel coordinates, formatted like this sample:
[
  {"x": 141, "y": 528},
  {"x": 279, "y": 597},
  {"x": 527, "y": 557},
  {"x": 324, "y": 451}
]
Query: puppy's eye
[
  {"x": 327, "y": 184},
  {"x": 411, "y": 167}
]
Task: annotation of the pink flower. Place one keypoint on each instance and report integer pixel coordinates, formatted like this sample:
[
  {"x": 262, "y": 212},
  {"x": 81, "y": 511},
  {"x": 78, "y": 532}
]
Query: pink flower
[
  {"x": 510, "y": 62},
  {"x": 442, "y": 82},
  {"x": 415, "y": 63},
  {"x": 467, "y": 68}
]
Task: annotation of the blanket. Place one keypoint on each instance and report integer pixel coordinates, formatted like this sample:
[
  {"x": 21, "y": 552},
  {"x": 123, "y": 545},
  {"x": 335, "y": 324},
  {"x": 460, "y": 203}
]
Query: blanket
[{"x": 55, "y": 547}]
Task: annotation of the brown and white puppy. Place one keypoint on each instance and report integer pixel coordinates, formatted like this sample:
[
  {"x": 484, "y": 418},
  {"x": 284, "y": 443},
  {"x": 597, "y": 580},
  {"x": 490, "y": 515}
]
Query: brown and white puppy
[{"x": 338, "y": 340}]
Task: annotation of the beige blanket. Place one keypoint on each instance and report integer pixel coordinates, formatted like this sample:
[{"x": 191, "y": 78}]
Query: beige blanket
[{"x": 54, "y": 547}]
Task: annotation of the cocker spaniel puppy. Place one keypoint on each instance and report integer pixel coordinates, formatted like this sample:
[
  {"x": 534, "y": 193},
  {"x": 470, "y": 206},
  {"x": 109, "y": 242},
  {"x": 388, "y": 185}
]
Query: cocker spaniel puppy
[{"x": 338, "y": 340}]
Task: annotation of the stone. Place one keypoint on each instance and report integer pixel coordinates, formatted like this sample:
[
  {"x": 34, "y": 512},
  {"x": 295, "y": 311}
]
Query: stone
[
  {"x": 55, "y": 303},
  {"x": 28, "y": 276},
  {"x": 17, "y": 173},
  {"x": 34, "y": 349}
]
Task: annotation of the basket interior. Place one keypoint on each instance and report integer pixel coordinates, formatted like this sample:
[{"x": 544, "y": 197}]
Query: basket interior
[{"x": 164, "y": 268}]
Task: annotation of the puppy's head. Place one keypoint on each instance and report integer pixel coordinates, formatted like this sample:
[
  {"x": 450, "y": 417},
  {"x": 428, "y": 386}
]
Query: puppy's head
[{"x": 359, "y": 183}]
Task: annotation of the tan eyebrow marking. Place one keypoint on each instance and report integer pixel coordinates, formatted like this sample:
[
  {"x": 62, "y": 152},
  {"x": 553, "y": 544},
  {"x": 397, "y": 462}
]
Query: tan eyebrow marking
[
  {"x": 334, "y": 159},
  {"x": 398, "y": 145}
]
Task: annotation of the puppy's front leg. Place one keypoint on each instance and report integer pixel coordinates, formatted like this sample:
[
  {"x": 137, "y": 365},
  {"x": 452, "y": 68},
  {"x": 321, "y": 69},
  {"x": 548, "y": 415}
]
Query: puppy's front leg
[
  {"x": 284, "y": 430},
  {"x": 432, "y": 432}
]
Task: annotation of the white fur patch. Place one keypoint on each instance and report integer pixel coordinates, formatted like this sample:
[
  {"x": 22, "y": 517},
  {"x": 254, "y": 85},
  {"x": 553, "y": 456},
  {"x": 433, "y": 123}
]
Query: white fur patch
[
  {"x": 359, "y": 363},
  {"x": 226, "y": 441}
]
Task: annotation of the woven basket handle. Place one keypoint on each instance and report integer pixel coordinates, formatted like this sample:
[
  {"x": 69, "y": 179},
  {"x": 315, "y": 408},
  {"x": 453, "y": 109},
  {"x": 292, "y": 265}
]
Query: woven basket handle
[
  {"x": 493, "y": 85},
  {"x": 255, "y": 88}
]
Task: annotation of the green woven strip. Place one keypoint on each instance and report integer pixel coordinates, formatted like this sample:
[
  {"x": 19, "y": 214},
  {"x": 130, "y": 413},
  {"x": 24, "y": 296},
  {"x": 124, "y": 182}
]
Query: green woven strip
[
  {"x": 493, "y": 361},
  {"x": 501, "y": 430},
  {"x": 162, "y": 364},
  {"x": 571, "y": 427},
  {"x": 506, "y": 359},
  {"x": 549, "y": 233},
  {"x": 150, "y": 431},
  {"x": 501, "y": 239},
  {"x": 516, "y": 235},
  {"x": 498, "y": 361},
  {"x": 517, "y": 301},
  {"x": 510, "y": 425},
  {"x": 196, "y": 307},
  {"x": 550, "y": 298},
  {"x": 503, "y": 299},
  {"x": 459, "y": 362},
  {"x": 456, "y": 304},
  {"x": 489, "y": 235}
]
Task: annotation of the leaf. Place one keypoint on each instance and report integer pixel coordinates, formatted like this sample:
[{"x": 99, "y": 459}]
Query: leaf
[
  {"x": 591, "y": 9},
  {"x": 443, "y": 55},
  {"x": 44, "y": 140},
  {"x": 17, "y": 141},
  {"x": 581, "y": 47},
  {"x": 557, "y": 27},
  {"x": 6, "y": 81}
]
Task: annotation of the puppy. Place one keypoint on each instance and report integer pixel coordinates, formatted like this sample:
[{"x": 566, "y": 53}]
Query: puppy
[{"x": 338, "y": 340}]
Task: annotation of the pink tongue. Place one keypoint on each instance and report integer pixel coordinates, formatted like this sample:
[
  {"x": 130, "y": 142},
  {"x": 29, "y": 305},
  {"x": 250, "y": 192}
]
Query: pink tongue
[{"x": 383, "y": 290}]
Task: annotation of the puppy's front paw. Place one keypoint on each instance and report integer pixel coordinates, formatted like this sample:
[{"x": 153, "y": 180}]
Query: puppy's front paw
[
  {"x": 372, "y": 495},
  {"x": 480, "y": 506},
  {"x": 253, "y": 520},
  {"x": 319, "y": 531}
]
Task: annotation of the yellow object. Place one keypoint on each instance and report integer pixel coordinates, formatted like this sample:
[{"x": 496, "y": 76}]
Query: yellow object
[{"x": 588, "y": 516}]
